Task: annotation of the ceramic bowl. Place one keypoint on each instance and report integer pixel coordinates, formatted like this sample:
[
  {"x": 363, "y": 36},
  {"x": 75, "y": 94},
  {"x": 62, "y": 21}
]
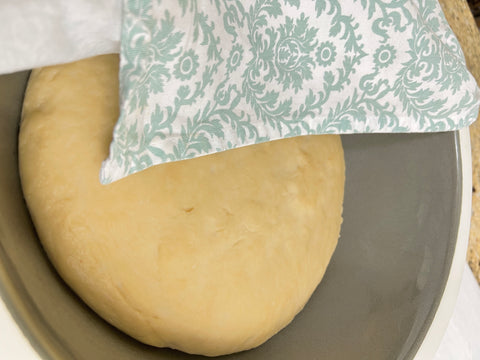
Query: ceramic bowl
[{"x": 387, "y": 293}]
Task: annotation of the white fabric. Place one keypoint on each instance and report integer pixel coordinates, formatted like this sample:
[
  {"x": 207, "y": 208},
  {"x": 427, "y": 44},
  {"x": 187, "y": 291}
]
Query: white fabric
[{"x": 38, "y": 33}]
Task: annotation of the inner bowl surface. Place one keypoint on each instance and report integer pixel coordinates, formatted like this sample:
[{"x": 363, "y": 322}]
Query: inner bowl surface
[{"x": 376, "y": 301}]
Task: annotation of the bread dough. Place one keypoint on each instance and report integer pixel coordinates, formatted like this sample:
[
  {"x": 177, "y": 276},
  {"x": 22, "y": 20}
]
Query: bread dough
[{"x": 210, "y": 256}]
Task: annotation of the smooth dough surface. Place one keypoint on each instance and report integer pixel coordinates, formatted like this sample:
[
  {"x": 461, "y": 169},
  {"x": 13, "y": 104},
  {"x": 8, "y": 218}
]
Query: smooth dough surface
[{"x": 210, "y": 256}]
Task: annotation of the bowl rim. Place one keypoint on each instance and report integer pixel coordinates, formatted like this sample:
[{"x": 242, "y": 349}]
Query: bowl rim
[{"x": 444, "y": 312}]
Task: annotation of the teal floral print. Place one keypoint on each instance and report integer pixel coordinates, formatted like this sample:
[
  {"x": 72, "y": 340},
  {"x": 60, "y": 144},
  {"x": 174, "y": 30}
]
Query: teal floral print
[
  {"x": 384, "y": 56},
  {"x": 326, "y": 54},
  {"x": 235, "y": 58},
  {"x": 187, "y": 66},
  {"x": 201, "y": 76},
  {"x": 293, "y": 61}
]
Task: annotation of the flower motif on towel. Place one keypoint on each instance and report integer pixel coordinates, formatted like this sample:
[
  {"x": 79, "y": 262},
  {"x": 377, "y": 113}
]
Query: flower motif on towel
[
  {"x": 186, "y": 66},
  {"x": 201, "y": 76},
  {"x": 326, "y": 54},
  {"x": 384, "y": 56},
  {"x": 235, "y": 58}
]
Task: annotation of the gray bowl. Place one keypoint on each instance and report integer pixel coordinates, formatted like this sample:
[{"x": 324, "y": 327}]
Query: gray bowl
[{"x": 377, "y": 300}]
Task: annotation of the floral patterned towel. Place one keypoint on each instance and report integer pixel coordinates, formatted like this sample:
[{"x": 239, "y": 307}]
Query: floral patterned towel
[{"x": 201, "y": 76}]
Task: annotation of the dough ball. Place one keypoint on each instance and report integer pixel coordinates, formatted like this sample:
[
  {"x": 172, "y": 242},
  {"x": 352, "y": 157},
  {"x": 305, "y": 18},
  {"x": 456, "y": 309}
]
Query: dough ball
[{"x": 212, "y": 255}]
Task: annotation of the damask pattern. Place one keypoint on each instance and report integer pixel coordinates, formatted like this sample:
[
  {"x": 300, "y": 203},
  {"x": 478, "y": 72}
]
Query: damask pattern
[{"x": 210, "y": 75}]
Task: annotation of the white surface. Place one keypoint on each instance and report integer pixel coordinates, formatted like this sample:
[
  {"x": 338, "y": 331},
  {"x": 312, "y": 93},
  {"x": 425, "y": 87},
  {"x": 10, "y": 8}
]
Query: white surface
[
  {"x": 462, "y": 339},
  {"x": 13, "y": 345},
  {"x": 56, "y": 31}
]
